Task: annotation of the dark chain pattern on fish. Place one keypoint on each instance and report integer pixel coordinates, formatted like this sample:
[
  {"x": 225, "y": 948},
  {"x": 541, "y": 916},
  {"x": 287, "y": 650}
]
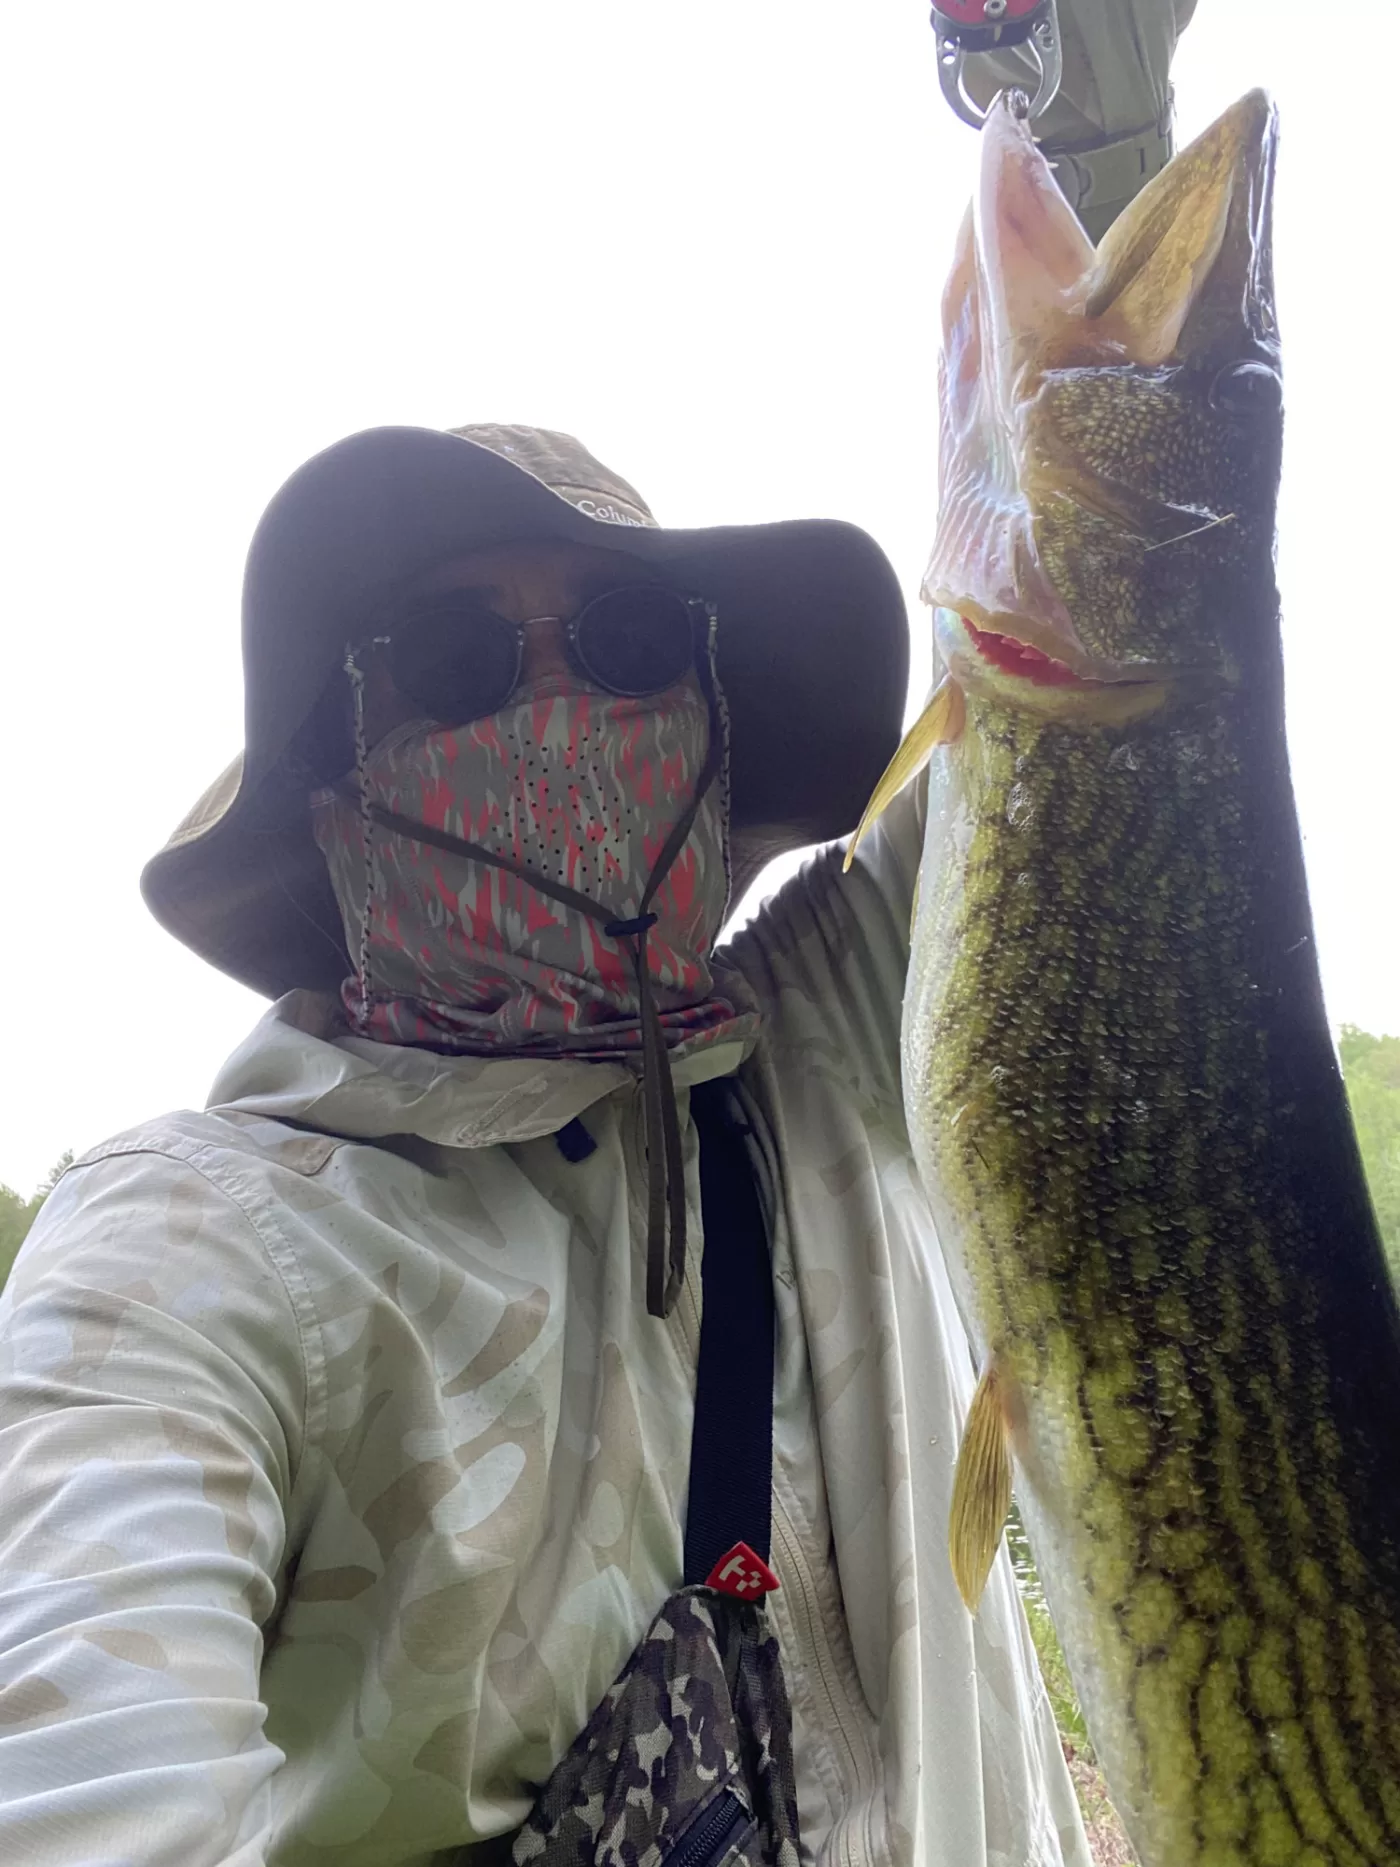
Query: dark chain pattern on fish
[{"x": 1094, "y": 1064}]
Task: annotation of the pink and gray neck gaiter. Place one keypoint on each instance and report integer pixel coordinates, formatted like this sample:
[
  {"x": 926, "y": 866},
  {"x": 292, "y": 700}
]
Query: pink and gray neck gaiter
[{"x": 582, "y": 788}]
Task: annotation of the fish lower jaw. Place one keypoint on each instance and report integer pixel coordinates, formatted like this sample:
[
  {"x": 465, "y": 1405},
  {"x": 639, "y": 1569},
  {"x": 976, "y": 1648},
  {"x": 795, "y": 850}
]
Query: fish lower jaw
[{"x": 1016, "y": 671}]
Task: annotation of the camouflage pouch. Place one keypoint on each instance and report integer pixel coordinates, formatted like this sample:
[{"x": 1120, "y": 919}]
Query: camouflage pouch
[{"x": 687, "y": 1762}]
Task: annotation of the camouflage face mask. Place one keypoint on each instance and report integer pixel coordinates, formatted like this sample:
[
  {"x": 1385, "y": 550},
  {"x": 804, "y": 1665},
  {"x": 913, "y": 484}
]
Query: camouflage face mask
[
  {"x": 558, "y": 795},
  {"x": 582, "y": 789}
]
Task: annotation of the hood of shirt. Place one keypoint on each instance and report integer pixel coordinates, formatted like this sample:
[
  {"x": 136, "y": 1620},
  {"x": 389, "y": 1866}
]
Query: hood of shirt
[{"x": 300, "y": 1064}]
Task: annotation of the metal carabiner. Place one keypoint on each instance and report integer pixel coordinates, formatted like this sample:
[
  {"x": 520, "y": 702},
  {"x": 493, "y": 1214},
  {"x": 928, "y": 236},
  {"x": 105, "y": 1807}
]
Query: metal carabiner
[{"x": 967, "y": 28}]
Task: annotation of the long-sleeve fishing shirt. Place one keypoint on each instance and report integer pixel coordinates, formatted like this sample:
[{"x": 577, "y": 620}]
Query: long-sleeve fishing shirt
[{"x": 342, "y": 1466}]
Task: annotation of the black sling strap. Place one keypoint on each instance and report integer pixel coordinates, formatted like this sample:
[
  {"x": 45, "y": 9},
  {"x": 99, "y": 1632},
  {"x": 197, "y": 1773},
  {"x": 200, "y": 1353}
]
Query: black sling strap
[{"x": 731, "y": 1454}]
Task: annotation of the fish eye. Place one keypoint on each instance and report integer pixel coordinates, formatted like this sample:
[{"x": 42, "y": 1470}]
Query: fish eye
[{"x": 1248, "y": 388}]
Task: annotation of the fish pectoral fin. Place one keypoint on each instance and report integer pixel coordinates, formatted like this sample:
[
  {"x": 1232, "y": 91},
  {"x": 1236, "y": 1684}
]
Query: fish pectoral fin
[
  {"x": 940, "y": 723},
  {"x": 981, "y": 1488}
]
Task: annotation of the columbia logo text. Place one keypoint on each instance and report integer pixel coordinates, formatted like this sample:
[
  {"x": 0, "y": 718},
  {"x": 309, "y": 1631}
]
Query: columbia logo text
[{"x": 609, "y": 513}]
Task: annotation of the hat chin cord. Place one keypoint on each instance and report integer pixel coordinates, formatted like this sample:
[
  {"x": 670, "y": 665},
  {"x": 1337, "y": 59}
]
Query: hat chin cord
[{"x": 666, "y": 1213}]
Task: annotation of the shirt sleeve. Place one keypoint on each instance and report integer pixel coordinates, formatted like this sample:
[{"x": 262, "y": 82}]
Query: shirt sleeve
[
  {"x": 829, "y": 952},
  {"x": 151, "y": 1400}
]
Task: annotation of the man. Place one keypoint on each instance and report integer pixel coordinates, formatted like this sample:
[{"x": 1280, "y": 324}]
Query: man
[{"x": 345, "y": 1425}]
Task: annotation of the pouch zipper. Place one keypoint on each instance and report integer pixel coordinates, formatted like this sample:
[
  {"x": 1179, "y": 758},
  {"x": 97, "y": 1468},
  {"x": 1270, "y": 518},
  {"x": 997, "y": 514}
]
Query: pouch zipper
[{"x": 711, "y": 1838}]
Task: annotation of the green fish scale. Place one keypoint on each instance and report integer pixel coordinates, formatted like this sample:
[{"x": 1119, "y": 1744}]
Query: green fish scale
[{"x": 1093, "y": 1095}]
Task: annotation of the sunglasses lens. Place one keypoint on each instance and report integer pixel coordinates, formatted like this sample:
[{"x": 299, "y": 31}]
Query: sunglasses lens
[
  {"x": 637, "y": 640},
  {"x": 456, "y": 660}
]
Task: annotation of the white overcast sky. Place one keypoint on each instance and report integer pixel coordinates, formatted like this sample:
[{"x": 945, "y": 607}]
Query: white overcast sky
[{"x": 707, "y": 238}]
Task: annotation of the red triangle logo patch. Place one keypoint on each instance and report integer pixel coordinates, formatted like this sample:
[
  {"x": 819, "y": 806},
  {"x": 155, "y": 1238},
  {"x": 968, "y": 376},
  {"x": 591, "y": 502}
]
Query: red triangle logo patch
[{"x": 741, "y": 1573}]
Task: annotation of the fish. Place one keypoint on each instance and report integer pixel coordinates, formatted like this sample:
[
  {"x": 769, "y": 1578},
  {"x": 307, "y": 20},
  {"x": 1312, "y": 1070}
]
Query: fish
[{"x": 1122, "y": 1093}]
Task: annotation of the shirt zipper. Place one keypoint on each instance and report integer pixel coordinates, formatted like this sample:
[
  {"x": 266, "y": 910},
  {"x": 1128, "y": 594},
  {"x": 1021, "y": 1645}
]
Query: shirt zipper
[{"x": 807, "y": 1625}]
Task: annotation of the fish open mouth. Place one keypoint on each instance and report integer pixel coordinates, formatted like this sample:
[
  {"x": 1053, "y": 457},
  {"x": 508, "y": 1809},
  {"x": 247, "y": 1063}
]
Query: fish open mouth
[
  {"x": 1009, "y": 655},
  {"x": 1013, "y": 657},
  {"x": 1009, "y": 669}
]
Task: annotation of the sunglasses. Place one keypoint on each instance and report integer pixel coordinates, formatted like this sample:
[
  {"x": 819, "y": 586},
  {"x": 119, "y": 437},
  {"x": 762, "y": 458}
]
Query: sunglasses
[
  {"x": 460, "y": 661},
  {"x": 456, "y": 660}
]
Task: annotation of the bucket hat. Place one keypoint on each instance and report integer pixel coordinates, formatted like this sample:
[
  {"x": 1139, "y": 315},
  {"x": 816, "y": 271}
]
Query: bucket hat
[{"x": 812, "y": 654}]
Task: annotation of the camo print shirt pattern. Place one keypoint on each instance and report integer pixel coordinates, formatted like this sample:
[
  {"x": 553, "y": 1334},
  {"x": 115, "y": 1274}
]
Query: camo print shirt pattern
[
  {"x": 661, "y": 1765},
  {"x": 342, "y": 1467}
]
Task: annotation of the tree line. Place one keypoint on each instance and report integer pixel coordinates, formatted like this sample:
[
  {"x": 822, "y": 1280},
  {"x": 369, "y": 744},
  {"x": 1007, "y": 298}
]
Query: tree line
[
  {"x": 1371, "y": 1066},
  {"x": 17, "y": 1214}
]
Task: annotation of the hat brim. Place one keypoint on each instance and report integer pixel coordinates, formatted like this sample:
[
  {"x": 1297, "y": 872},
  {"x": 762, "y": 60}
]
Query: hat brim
[{"x": 813, "y": 659}]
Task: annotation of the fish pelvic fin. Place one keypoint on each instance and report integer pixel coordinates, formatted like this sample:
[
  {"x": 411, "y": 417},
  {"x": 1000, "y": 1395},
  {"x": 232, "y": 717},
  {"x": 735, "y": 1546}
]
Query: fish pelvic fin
[
  {"x": 940, "y": 723},
  {"x": 981, "y": 1488}
]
